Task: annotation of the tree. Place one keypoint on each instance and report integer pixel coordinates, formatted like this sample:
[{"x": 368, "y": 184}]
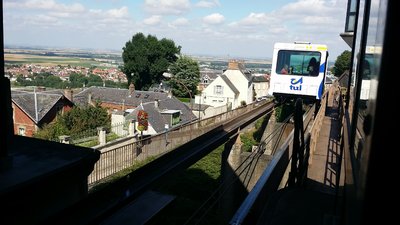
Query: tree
[
  {"x": 87, "y": 118},
  {"x": 76, "y": 121},
  {"x": 77, "y": 80},
  {"x": 147, "y": 58},
  {"x": 185, "y": 70},
  {"x": 342, "y": 63},
  {"x": 94, "y": 80}
]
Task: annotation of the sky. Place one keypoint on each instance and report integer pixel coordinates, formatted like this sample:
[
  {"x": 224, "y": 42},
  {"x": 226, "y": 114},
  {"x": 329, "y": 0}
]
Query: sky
[{"x": 227, "y": 28}]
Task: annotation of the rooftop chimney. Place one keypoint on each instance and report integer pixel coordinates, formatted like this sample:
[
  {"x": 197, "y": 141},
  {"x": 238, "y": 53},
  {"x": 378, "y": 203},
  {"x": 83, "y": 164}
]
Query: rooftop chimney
[
  {"x": 235, "y": 64},
  {"x": 40, "y": 88},
  {"x": 131, "y": 89},
  {"x": 156, "y": 103}
]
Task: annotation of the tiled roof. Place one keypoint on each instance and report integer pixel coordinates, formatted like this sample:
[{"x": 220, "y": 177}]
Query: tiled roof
[
  {"x": 344, "y": 79},
  {"x": 200, "y": 107},
  {"x": 260, "y": 79},
  {"x": 26, "y": 101},
  {"x": 156, "y": 120},
  {"x": 230, "y": 84},
  {"x": 118, "y": 96},
  {"x": 211, "y": 74}
]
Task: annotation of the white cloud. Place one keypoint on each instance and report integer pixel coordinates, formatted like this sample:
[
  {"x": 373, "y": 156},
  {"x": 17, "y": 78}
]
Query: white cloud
[
  {"x": 167, "y": 7},
  {"x": 50, "y": 5},
  {"x": 153, "y": 20},
  {"x": 214, "y": 18},
  {"x": 254, "y": 19},
  {"x": 43, "y": 19},
  {"x": 179, "y": 22},
  {"x": 207, "y": 4},
  {"x": 253, "y": 34},
  {"x": 118, "y": 13}
]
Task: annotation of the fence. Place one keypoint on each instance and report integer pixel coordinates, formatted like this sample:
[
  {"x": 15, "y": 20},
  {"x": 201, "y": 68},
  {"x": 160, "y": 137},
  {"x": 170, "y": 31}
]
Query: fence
[
  {"x": 90, "y": 137},
  {"x": 126, "y": 152}
]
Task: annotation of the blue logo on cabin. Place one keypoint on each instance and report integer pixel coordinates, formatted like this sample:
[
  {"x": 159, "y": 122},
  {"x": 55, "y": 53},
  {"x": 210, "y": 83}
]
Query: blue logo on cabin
[{"x": 295, "y": 85}]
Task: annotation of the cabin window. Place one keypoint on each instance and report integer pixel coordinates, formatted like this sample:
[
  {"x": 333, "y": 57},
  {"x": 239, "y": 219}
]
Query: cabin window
[{"x": 302, "y": 63}]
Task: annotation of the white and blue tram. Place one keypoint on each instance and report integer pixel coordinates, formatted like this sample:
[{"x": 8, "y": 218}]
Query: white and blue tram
[{"x": 298, "y": 70}]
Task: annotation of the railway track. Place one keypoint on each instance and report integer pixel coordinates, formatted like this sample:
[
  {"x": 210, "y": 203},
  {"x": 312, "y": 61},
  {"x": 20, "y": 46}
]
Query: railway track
[{"x": 100, "y": 205}]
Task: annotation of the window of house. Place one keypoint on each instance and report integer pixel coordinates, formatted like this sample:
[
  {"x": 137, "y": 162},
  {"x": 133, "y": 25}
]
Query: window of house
[
  {"x": 176, "y": 118},
  {"x": 218, "y": 89},
  {"x": 21, "y": 131}
]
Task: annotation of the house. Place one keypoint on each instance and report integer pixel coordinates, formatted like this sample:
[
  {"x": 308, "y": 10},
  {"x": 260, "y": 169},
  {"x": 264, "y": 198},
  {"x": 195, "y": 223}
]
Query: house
[
  {"x": 163, "y": 115},
  {"x": 123, "y": 105},
  {"x": 117, "y": 99},
  {"x": 261, "y": 85},
  {"x": 233, "y": 88},
  {"x": 32, "y": 110},
  {"x": 207, "y": 77}
]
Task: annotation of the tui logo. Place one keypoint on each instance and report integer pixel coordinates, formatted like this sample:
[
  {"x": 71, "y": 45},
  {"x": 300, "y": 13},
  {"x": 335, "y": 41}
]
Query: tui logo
[{"x": 295, "y": 85}]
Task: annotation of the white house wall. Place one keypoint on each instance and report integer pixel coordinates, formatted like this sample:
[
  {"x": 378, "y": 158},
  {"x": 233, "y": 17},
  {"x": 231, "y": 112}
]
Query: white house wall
[
  {"x": 215, "y": 100},
  {"x": 242, "y": 84},
  {"x": 261, "y": 88}
]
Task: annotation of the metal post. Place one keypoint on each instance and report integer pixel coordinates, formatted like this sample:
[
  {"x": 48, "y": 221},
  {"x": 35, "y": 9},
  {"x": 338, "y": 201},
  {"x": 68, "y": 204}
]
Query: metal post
[
  {"x": 166, "y": 127},
  {"x": 200, "y": 107},
  {"x": 169, "y": 75},
  {"x": 298, "y": 141}
]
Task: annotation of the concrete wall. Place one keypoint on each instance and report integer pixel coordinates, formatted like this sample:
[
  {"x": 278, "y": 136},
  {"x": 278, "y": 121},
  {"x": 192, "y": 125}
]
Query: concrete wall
[
  {"x": 122, "y": 153},
  {"x": 240, "y": 172}
]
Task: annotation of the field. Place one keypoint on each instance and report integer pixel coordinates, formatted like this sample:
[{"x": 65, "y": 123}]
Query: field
[{"x": 50, "y": 60}]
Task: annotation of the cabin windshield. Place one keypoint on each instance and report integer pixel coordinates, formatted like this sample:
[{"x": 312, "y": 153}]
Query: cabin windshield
[
  {"x": 368, "y": 68},
  {"x": 303, "y": 63}
]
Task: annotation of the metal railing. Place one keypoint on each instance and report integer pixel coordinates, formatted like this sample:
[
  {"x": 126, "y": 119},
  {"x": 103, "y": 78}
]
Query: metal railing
[
  {"x": 118, "y": 156},
  {"x": 272, "y": 177}
]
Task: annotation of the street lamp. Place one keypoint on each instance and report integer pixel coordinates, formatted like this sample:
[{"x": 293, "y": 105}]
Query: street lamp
[{"x": 171, "y": 76}]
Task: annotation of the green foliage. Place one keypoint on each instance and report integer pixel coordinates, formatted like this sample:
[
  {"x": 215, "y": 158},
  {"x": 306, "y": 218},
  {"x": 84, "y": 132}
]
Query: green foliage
[
  {"x": 186, "y": 72},
  {"x": 184, "y": 100},
  {"x": 51, "y": 131},
  {"x": 192, "y": 188},
  {"x": 342, "y": 63},
  {"x": 76, "y": 121},
  {"x": 80, "y": 80},
  {"x": 81, "y": 119},
  {"x": 260, "y": 126},
  {"x": 147, "y": 58},
  {"x": 283, "y": 111},
  {"x": 248, "y": 141},
  {"x": 76, "y": 80},
  {"x": 89, "y": 144},
  {"x": 110, "y": 83}
]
